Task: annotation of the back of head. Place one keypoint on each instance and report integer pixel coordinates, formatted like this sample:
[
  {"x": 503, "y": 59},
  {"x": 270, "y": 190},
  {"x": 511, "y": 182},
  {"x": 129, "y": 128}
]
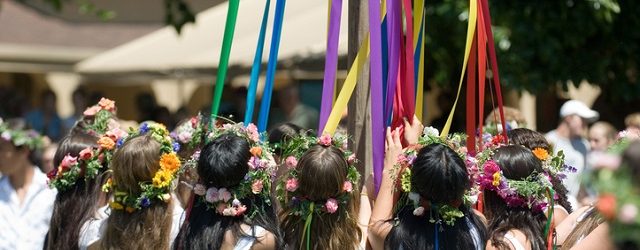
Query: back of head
[
  {"x": 135, "y": 162},
  {"x": 528, "y": 138},
  {"x": 632, "y": 120},
  {"x": 516, "y": 163},
  {"x": 322, "y": 173},
  {"x": 74, "y": 206},
  {"x": 631, "y": 158},
  {"x": 440, "y": 177},
  {"x": 282, "y": 133}
]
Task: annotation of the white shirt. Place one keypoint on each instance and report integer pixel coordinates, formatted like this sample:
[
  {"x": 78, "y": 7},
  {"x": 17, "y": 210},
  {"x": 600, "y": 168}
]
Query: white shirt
[
  {"x": 25, "y": 226},
  {"x": 575, "y": 155}
]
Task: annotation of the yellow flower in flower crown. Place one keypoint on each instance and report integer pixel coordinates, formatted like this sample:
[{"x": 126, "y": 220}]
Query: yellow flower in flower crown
[
  {"x": 162, "y": 179},
  {"x": 496, "y": 179},
  {"x": 115, "y": 205},
  {"x": 541, "y": 153},
  {"x": 170, "y": 162}
]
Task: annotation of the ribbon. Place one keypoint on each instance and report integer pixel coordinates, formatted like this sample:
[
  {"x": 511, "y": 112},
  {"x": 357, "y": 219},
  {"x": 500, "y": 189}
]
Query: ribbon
[
  {"x": 420, "y": 69},
  {"x": 549, "y": 227},
  {"x": 393, "y": 36},
  {"x": 377, "y": 118},
  {"x": 306, "y": 232},
  {"x": 471, "y": 28},
  {"x": 255, "y": 68},
  {"x": 409, "y": 93},
  {"x": 482, "y": 70},
  {"x": 347, "y": 88},
  {"x": 471, "y": 101},
  {"x": 330, "y": 64},
  {"x": 271, "y": 66},
  {"x": 229, "y": 28}
]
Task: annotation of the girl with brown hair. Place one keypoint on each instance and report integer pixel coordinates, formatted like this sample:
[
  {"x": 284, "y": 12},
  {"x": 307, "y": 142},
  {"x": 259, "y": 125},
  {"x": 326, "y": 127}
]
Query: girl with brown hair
[
  {"x": 144, "y": 214},
  {"x": 318, "y": 195}
]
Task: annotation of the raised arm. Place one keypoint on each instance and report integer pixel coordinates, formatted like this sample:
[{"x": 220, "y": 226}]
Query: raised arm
[
  {"x": 382, "y": 211},
  {"x": 413, "y": 130}
]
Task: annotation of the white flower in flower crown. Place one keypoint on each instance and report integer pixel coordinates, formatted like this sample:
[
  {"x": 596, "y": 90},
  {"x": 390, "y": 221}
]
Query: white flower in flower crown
[
  {"x": 431, "y": 131},
  {"x": 419, "y": 211},
  {"x": 415, "y": 197},
  {"x": 6, "y": 135}
]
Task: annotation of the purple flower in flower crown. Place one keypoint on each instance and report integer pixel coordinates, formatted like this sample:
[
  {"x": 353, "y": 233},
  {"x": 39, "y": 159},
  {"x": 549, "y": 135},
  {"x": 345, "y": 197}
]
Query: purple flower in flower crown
[
  {"x": 411, "y": 158},
  {"x": 144, "y": 128},
  {"x": 144, "y": 202},
  {"x": 120, "y": 142},
  {"x": 196, "y": 155},
  {"x": 539, "y": 206},
  {"x": 569, "y": 169},
  {"x": 176, "y": 147}
]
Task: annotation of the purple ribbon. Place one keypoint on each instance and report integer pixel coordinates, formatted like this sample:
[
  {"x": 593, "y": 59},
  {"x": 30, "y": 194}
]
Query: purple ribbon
[
  {"x": 394, "y": 35},
  {"x": 377, "y": 118},
  {"x": 330, "y": 64}
]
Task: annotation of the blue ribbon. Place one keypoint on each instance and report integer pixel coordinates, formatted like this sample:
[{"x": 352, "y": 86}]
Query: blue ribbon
[
  {"x": 255, "y": 69},
  {"x": 265, "y": 105}
]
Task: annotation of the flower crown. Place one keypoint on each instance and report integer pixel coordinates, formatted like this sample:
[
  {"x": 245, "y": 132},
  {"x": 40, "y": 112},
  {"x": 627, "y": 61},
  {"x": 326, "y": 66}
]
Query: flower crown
[
  {"x": 20, "y": 137},
  {"x": 262, "y": 166},
  {"x": 618, "y": 198},
  {"x": 531, "y": 193},
  {"x": 287, "y": 189},
  {"x": 191, "y": 134},
  {"x": 161, "y": 185},
  {"x": 90, "y": 160},
  {"x": 553, "y": 164},
  {"x": 401, "y": 175}
]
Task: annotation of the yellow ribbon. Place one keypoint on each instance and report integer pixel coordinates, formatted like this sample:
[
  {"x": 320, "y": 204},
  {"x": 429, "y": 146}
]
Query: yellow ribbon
[
  {"x": 471, "y": 29},
  {"x": 419, "y": 12}
]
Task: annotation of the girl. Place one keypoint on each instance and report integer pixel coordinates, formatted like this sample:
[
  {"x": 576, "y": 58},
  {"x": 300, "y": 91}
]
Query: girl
[
  {"x": 515, "y": 198},
  {"x": 143, "y": 213},
  {"x": 80, "y": 204},
  {"x": 231, "y": 209},
  {"x": 431, "y": 213},
  {"x": 318, "y": 195}
]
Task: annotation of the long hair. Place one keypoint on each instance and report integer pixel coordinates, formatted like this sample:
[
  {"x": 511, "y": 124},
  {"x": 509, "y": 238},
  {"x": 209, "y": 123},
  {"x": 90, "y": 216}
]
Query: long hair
[
  {"x": 516, "y": 162},
  {"x": 322, "y": 171},
  {"x": 439, "y": 175},
  {"x": 223, "y": 163},
  {"x": 147, "y": 228},
  {"x": 531, "y": 139},
  {"x": 78, "y": 204}
]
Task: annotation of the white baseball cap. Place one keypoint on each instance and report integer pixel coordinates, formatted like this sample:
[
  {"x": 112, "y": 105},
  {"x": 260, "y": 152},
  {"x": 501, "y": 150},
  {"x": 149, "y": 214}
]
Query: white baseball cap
[{"x": 575, "y": 107}]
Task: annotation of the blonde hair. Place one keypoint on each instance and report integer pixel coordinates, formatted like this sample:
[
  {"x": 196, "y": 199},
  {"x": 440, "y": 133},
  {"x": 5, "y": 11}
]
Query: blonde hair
[
  {"x": 148, "y": 228},
  {"x": 632, "y": 120},
  {"x": 322, "y": 172},
  {"x": 510, "y": 114}
]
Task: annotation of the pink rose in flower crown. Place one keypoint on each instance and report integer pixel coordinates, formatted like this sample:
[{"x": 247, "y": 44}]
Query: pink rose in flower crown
[
  {"x": 91, "y": 111},
  {"x": 240, "y": 210},
  {"x": 253, "y": 132},
  {"x": 257, "y": 186},
  {"x": 107, "y": 104},
  {"x": 115, "y": 134},
  {"x": 292, "y": 185},
  {"x": 68, "y": 161},
  {"x": 351, "y": 159},
  {"x": 199, "y": 189},
  {"x": 628, "y": 213},
  {"x": 184, "y": 136},
  {"x": 347, "y": 186},
  {"x": 291, "y": 162},
  {"x": 331, "y": 205},
  {"x": 212, "y": 195},
  {"x": 325, "y": 140},
  {"x": 224, "y": 195},
  {"x": 194, "y": 122},
  {"x": 86, "y": 154}
]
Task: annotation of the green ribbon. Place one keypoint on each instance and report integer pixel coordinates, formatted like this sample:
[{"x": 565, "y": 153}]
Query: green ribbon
[
  {"x": 306, "y": 232},
  {"x": 547, "y": 227},
  {"x": 229, "y": 28}
]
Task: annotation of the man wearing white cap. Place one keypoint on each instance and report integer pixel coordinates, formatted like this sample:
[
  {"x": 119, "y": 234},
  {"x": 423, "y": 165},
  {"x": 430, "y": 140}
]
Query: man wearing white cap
[{"x": 569, "y": 137}]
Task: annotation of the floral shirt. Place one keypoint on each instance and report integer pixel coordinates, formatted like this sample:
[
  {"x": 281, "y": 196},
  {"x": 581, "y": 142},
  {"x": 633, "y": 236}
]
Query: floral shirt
[{"x": 25, "y": 226}]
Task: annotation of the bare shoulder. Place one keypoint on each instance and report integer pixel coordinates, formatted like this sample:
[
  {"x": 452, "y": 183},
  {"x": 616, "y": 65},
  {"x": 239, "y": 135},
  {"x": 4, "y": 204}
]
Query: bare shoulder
[{"x": 265, "y": 242}]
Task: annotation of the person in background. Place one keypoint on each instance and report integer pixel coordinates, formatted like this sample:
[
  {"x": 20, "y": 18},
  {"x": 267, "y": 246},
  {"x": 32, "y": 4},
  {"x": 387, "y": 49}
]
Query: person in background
[
  {"x": 601, "y": 136},
  {"x": 45, "y": 120},
  {"x": 79, "y": 98},
  {"x": 569, "y": 137},
  {"x": 25, "y": 200},
  {"x": 47, "y": 157},
  {"x": 512, "y": 117},
  {"x": 632, "y": 122},
  {"x": 294, "y": 110}
]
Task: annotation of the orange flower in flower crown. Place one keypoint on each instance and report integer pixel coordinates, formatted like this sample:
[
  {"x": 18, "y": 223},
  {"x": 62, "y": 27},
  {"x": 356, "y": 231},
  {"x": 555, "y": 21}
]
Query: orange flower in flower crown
[
  {"x": 541, "y": 153},
  {"x": 170, "y": 162},
  {"x": 107, "y": 104},
  {"x": 607, "y": 205},
  {"x": 256, "y": 151},
  {"x": 106, "y": 143}
]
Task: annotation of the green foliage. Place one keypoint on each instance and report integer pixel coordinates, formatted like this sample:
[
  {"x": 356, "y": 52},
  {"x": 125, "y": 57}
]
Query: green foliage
[{"x": 542, "y": 43}]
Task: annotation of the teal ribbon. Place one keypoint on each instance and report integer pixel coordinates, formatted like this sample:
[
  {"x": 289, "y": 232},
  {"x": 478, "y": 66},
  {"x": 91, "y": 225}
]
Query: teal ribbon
[{"x": 255, "y": 69}]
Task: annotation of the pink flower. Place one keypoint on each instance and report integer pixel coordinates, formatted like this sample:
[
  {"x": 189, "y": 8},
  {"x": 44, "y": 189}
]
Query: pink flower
[
  {"x": 224, "y": 195},
  {"x": 115, "y": 134},
  {"x": 253, "y": 132},
  {"x": 68, "y": 161},
  {"x": 628, "y": 213},
  {"x": 91, "y": 111},
  {"x": 402, "y": 158},
  {"x": 331, "y": 205},
  {"x": 292, "y": 184},
  {"x": 240, "y": 210},
  {"x": 291, "y": 162},
  {"x": 107, "y": 104},
  {"x": 112, "y": 124},
  {"x": 184, "y": 137},
  {"x": 194, "y": 122},
  {"x": 212, "y": 195},
  {"x": 490, "y": 167},
  {"x": 419, "y": 211},
  {"x": 86, "y": 154},
  {"x": 257, "y": 186},
  {"x": 347, "y": 186},
  {"x": 200, "y": 190},
  {"x": 325, "y": 140},
  {"x": 351, "y": 159},
  {"x": 463, "y": 150}
]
